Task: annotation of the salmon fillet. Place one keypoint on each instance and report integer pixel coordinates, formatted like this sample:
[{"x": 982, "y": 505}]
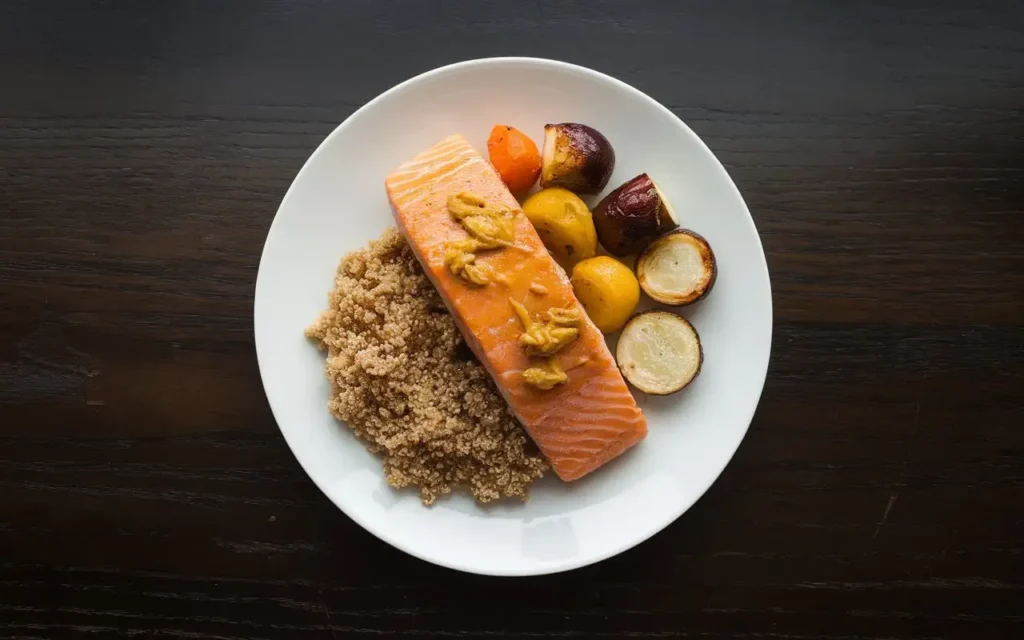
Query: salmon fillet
[{"x": 579, "y": 425}]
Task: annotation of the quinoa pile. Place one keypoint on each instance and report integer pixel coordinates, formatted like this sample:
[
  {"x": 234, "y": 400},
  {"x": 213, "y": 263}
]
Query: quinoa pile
[{"x": 405, "y": 382}]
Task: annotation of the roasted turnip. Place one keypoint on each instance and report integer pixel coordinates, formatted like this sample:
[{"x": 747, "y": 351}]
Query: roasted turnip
[
  {"x": 576, "y": 157},
  {"x": 632, "y": 215}
]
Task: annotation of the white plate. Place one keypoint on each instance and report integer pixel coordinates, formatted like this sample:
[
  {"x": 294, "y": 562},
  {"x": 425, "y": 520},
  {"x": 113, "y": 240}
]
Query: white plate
[{"x": 337, "y": 203}]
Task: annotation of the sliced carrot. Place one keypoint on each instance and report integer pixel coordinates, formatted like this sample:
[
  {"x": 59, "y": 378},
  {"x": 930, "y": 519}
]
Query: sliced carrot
[{"x": 515, "y": 157}]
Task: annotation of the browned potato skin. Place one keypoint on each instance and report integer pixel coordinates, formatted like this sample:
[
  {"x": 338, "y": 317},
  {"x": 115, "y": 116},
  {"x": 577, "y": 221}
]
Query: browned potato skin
[
  {"x": 707, "y": 257},
  {"x": 631, "y": 216},
  {"x": 583, "y": 158}
]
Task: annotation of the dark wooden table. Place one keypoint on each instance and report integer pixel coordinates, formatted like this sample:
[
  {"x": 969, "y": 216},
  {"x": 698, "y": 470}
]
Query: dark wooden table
[{"x": 145, "y": 491}]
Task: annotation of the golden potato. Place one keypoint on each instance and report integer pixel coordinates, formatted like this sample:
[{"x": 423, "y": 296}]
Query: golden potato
[
  {"x": 608, "y": 291},
  {"x": 564, "y": 224}
]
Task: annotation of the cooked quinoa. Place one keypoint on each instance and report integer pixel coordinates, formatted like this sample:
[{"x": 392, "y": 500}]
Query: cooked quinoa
[{"x": 404, "y": 381}]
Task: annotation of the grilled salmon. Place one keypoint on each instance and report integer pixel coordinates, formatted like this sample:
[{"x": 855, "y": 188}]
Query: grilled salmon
[{"x": 578, "y": 425}]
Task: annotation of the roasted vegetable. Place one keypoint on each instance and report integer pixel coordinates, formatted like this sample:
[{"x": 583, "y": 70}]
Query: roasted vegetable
[
  {"x": 515, "y": 156},
  {"x": 678, "y": 268},
  {"x": 564, "y": 224},
  {"x": 608, "y": 291},
  {"x": 629, "y": 217},
  {"x": 576, "y": 157},
  {"x": 659, "y": 352}
]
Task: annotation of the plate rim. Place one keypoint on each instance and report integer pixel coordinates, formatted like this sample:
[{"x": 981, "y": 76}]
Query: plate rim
[{"x": 532, "y": 570}]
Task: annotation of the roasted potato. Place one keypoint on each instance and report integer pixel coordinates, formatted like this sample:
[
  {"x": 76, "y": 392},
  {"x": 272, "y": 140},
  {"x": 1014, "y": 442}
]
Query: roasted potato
[{"x": 564, "y": 224}]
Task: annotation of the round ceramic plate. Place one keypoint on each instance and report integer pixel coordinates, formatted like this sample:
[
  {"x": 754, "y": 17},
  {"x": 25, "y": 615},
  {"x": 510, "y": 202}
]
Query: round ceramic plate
[{"x": 337, "y": 204}]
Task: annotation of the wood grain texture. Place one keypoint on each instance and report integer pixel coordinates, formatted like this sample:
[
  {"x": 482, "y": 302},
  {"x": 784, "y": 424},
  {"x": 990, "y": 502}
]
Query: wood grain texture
[{"x": 145, "y": 491}]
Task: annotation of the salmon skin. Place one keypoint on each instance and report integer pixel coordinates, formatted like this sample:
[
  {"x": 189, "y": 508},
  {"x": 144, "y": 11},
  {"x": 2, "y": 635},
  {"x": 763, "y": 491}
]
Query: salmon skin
[{"x": 579, "y": 425}]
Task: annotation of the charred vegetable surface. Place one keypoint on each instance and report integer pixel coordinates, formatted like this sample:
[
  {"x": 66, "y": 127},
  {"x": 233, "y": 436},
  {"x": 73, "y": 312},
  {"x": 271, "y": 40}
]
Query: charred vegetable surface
[
  {"x": 576, "y": 157},
  {"x": 629, "y": 217}
]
